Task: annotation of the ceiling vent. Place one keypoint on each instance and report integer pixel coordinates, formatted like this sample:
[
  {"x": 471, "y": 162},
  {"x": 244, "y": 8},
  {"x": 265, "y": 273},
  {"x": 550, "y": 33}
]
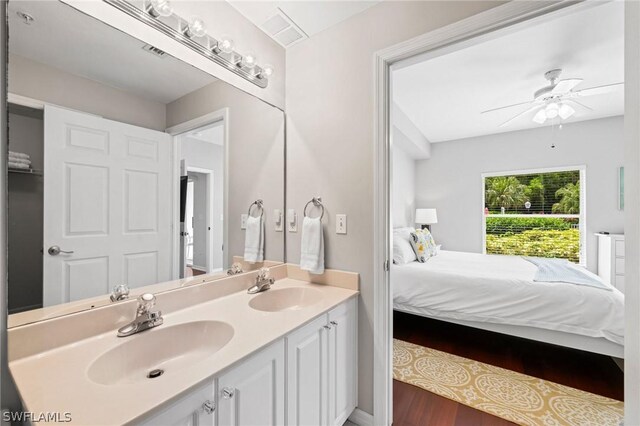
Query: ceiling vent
[
  {"x": 283, "y": 30},
  {"x": 154, "y": 51}
]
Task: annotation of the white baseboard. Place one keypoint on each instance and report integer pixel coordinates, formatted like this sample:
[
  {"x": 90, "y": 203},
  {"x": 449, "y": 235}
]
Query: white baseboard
[{"x": 361, "y": 418}]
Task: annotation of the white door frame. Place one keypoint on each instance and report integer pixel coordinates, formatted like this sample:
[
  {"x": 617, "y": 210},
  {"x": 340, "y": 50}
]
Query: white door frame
[
  {"x": 441, "y": 40},
  {"x": 208, "y": 213},
  {"x": 221, "y": 115}
]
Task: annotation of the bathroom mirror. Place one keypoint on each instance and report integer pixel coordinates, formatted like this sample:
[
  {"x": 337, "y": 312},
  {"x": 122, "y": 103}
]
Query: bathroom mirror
[{"x": 127, "y": 166}]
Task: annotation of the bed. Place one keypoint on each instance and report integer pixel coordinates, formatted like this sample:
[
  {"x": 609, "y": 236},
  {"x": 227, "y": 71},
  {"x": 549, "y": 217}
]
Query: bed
[{"x": 497, "y": 293}]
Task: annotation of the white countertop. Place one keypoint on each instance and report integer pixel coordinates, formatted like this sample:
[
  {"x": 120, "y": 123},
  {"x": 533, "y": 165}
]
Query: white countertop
[{"x": 56, "y": 380}]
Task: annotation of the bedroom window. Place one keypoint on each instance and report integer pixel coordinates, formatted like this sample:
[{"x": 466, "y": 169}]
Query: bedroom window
[{"x": 535, "y": 213}]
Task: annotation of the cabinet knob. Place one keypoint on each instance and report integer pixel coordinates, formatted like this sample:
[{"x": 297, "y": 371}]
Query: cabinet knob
[
  {"x": 333, "y": 323},
  {"x": 208, "y": 406},
  {"x": 327, "y": 327},
  {"x": 227, "y": 393}
]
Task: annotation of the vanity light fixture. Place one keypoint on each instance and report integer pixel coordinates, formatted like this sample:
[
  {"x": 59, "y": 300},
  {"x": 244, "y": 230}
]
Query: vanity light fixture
[{"x": 159, "y": 15}]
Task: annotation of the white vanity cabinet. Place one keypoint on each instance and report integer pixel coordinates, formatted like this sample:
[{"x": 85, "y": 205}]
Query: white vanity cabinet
[
  {"x": 252, "y": 393},
  {"x": 321, "y": 368},
  {"x": 197, "y": 408}
]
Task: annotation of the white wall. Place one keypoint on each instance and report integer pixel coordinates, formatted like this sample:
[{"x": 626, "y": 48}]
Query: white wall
[
  {"x": 329, "y": 98},
  {"x": 403, "y": 195},
  {"x": 451, "y": 182},
  {"x": 44, "y": 83}
]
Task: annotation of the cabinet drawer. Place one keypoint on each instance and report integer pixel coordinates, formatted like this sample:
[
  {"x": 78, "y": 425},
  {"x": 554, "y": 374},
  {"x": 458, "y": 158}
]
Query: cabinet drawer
[
  {"x": 619, "y": 266},
  {"x": 620, "y": 282},
  {"x": 620, "y": 248}
]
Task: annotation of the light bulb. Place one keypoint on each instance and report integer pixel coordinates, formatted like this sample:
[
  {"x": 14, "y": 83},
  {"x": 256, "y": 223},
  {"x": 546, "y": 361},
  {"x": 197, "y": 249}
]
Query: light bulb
[
  {"x": 566, "y": 111},
  {"x": 160, "y": 8},
  {"x": 197, "y": 27},
  {"x": 225, "y": 44},
  {"x": 552, "y": 110},
  {"x": 249, "y": 60},
  {"x": 267, "y": 71}
]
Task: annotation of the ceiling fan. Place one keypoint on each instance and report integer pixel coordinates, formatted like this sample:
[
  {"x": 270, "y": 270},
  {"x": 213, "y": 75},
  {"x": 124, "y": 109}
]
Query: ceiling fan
[{"x": 556, "y": 99}]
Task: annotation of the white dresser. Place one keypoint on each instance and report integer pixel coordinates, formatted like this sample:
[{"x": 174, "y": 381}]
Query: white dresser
[{"x": 611, "y": 259}]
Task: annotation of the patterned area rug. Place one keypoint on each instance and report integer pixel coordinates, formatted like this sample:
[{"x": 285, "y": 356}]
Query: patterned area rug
[{"x": 516, "y": 397}]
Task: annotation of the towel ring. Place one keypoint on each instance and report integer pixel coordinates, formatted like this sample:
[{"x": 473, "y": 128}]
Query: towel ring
[
  {"x": 317, "y": 201},
  {"x": 257, "y": 203}
]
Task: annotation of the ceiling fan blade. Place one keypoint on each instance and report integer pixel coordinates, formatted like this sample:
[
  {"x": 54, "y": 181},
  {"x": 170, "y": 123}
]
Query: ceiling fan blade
[
  {"x": 540, "y": 117},
  {"x": 504, "y": 107},
  {"x": 579, "y": 104},
  {"x": 528, "y": 110},
  {"x": 598, "y": 90},
  {"x": 565, "y": 86}
]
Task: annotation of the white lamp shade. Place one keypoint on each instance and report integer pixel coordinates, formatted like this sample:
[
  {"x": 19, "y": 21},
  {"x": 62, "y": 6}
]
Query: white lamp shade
[{"x": 426, "y": 216}]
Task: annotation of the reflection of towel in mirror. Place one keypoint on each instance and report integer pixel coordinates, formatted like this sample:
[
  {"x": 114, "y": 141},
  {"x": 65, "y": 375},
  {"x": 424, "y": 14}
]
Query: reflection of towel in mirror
[
  {"x": 254, "y": 240},
  {"x": 17, "y": 165},
  {"x": 312, "y": 250},
  {"x": 18, "y": 155}
]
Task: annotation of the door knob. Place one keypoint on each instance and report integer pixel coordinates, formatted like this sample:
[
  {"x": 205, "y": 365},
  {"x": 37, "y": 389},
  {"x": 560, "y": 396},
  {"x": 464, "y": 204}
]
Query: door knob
[{"x": 55, "y": 250}]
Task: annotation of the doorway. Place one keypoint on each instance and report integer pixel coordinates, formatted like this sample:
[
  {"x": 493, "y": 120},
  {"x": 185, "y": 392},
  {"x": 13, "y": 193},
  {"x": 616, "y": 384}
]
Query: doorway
[
  {"x": 455, "y": 36},
  {"x": 202, "y": 163}
]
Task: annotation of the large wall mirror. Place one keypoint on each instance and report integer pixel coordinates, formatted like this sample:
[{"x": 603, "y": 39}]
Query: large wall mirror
[{"x": 128, "y": 166}]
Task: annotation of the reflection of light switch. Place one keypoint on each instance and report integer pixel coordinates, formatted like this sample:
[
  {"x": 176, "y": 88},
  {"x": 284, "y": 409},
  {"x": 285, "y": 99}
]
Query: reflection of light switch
[
  {"x": 277, "y": 214},
  {"x": 243, "y": 221},
  {"x": 341, "y": 224},
  {"x": 292, "y": 220}
]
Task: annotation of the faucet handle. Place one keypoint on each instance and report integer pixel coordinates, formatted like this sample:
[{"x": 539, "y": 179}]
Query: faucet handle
[
  {"x": 120, "y": 292},
  {"x": 146, "y": 302},
  {"x": 263, "y": 274}
]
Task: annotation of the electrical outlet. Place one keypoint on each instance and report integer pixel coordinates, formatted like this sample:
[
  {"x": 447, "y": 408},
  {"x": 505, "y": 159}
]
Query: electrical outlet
[
  {"x": 243, "y": 221},
  {"x": 341, "y": 224}
]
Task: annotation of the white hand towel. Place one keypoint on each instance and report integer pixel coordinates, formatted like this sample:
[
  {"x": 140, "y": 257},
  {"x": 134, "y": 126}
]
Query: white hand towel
[
  {"x": 312, "y": 250},
  {"x": 13, "y": 165},
  {"x": 20, "y": 160},
  {"x": 18, "y": 155},
  {"x": 254, "y": 240}
]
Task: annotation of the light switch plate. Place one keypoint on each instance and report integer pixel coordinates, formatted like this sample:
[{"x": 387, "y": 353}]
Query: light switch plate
[
  {"x": 341, "y": 224},
  {"x": 243, "y": 221},
  {"x": 292, "y": 220},
  {"x": 279, "y": 220}
]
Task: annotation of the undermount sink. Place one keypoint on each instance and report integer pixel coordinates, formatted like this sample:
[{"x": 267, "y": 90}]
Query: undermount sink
[
  {"x": 159, "y": 351},
  {"x": 285, "y": 299}
]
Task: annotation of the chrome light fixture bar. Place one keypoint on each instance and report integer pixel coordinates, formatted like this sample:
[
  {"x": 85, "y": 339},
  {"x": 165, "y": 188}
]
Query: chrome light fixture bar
[{"x": 218, "y": 51}]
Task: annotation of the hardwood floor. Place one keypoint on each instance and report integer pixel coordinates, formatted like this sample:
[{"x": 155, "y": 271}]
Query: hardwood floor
[{"x": 414, "y": 406}]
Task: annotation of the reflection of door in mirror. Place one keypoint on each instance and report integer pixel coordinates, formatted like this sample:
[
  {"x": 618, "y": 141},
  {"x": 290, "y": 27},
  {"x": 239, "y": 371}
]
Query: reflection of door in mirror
[{"x": 201, "y": 157}]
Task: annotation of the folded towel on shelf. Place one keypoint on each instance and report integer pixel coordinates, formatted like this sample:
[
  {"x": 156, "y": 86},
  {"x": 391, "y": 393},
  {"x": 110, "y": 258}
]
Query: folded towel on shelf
[
  {"x": 312, "y": 250},
  {"x": 20, "y": 160},
  {"x": 13, "y": 165},
  {"x": 254, "y": 240},
  {"x": 13, "y": 154}
]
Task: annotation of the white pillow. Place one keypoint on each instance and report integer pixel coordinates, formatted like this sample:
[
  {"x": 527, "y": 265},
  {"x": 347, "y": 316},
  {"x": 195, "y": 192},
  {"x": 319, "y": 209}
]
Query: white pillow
[{"x": 402, "y": 251}]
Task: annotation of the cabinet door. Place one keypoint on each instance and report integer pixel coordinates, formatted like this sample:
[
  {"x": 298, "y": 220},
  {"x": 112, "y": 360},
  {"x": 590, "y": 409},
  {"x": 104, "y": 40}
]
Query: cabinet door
[
  {"x": 343, "y": 352},
  {"x": 252, "y": 393},
  {"x": 193, "y": 409},
  {"x": 307, "y": 375}
]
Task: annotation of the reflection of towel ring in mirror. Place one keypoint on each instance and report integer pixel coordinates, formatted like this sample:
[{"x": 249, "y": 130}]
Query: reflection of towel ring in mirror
[
  {"x": 317, "y": 201},
  {"x": 260, "y": 206}
]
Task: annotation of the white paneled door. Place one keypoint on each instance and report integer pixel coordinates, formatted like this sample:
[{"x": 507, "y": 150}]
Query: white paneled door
[{"x": 107, "y": 204}]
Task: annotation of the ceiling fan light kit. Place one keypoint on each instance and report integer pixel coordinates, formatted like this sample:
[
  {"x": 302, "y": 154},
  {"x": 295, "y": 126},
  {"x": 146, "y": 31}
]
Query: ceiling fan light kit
[{"x": 553, "y": 101}]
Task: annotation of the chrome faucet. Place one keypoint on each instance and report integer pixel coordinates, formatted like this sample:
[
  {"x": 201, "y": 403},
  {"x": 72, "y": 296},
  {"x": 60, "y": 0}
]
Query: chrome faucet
[
  {"x": 145, "y": 317},
  {"x": 263, "y": 282},
  {"x": 120, "y": 292}
]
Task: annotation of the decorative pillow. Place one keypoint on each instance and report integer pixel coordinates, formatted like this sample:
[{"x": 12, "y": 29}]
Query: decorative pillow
[
  {"x": 402, "y": 251},
  {"x": 423, "y": 244}
]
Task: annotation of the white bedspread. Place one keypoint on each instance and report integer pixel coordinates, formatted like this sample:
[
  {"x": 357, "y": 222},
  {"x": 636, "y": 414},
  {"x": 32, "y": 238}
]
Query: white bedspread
[{"x": 500, "y": 289}]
